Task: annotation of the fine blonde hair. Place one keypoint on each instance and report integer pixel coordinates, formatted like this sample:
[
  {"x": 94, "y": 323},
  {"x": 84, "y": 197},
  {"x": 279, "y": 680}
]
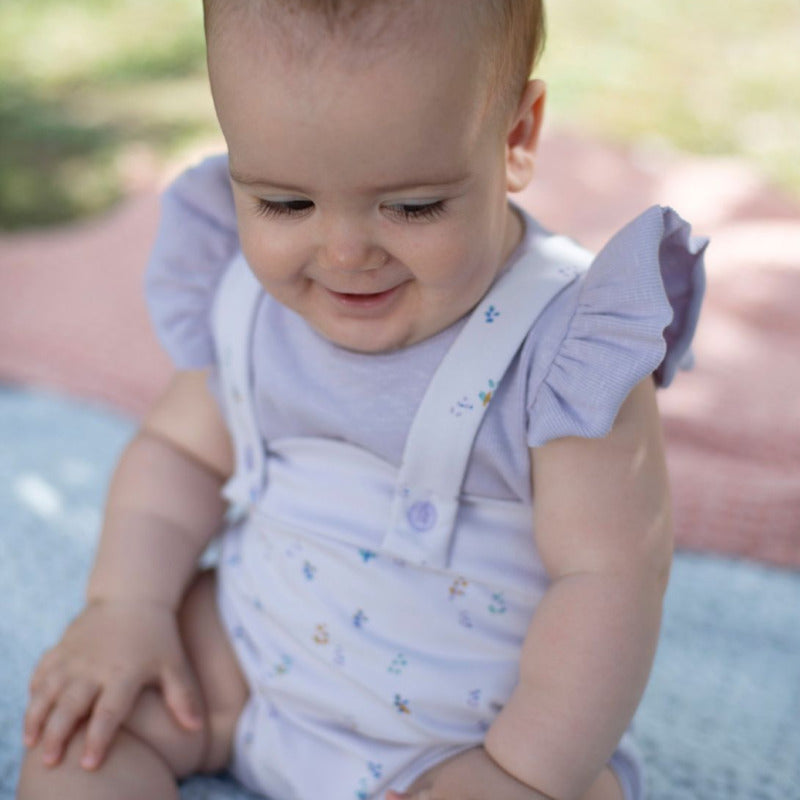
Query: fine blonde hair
[{"x": 511, "y": 33}]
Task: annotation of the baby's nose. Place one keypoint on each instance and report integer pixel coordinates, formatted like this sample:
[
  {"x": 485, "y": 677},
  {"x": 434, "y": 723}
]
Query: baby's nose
[{"x": 350, "y": 249}]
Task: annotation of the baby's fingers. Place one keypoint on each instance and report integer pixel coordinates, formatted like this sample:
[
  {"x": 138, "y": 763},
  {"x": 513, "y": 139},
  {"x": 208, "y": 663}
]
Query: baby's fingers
[
  {"x": 44, "y": 691},
  {"x": 67, "y": 710},
  {"x": 111, "y": 709},
  {"x": 182, "y": 696}
]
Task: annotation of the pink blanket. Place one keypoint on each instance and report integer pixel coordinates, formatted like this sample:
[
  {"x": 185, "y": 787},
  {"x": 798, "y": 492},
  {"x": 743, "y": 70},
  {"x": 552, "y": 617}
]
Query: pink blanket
[{"x": 72, "y": 317}]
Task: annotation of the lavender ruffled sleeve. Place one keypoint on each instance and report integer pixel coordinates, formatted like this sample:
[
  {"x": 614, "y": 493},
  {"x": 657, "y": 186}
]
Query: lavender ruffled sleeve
[
  {"x": 195, "y": 241},
  {"x": 634, "y": 313}
]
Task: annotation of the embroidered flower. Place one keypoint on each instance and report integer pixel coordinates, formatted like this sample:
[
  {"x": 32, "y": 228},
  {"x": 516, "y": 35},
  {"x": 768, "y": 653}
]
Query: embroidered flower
[
  {"x": 491, "y": 314},
  {"x": 498, "y": 604},
  {"x": 474, "y": 698},
  {"x": 458, "y": 588},
  {"x": 321, "y": 635},
  {"x": 463, "y": 406},
  {"x": 486, "y": 397},
  {"x": 399, "y": 663},
  {"x": 401, "y": 704}
]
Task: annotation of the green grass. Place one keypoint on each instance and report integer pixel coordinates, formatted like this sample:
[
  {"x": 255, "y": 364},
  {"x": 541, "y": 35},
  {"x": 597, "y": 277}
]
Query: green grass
[
  {"x": 717, "y": 77},
  {"x": 88, "y": 86}
]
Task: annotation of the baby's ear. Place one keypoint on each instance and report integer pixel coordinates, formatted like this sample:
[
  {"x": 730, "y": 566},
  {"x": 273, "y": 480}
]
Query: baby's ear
[{"x": 523, "y": 136}]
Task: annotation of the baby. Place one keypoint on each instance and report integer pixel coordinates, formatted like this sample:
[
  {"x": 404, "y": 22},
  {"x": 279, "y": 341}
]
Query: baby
[{"x": 381, "y": 362}]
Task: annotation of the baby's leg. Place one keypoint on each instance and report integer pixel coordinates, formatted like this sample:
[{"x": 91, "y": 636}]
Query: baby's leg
[
  {"x": 153, "y": 750},
  {"x": 473, "y": 774}
]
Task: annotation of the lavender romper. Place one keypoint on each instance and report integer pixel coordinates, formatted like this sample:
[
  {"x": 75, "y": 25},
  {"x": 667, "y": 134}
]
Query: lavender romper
[{"x": 382, "y": 573}]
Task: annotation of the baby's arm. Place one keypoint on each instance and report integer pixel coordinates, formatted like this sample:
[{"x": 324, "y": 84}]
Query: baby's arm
[
  {"x": 163, "y": 507},
  {"x": 603, "y": 529},
  {"x": 164, "y": 504}
]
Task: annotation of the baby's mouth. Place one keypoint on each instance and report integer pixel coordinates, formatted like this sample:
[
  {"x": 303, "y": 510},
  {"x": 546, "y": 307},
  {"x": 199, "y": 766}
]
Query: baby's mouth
[{"x": 364, "y": 299}]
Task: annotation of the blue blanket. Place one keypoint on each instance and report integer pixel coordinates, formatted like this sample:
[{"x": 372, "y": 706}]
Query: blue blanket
[{"x": 720, "y": 719}]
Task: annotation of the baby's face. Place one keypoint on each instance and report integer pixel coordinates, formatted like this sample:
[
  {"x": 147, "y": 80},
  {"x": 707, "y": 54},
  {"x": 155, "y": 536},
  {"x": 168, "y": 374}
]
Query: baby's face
[{"x": 372, "y": 200}]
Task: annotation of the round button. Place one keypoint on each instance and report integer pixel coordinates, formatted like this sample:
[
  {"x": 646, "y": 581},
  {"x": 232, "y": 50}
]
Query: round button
[{"x": 422, "y": 515}]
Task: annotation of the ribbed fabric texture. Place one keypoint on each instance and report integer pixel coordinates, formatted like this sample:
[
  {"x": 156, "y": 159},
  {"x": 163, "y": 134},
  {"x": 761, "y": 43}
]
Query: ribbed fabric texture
[{"x": 589, "y": 348}]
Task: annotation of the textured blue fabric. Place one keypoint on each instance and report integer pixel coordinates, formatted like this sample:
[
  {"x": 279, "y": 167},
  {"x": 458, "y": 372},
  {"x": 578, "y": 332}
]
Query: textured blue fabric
[{"x": 719, "y": 720}]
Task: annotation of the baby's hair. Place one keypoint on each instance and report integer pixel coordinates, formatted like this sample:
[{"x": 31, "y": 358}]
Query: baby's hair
[{"x": 511, "y": 32}]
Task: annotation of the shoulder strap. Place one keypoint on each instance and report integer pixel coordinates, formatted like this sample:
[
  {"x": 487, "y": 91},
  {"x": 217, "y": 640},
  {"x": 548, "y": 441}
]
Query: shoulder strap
[
  {"x": 442, "y": 434},
  {"x": 233, "y": 320}
]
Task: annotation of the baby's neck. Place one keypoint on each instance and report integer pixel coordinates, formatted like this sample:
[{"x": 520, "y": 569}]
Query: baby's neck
[{"x": 514, "y": 233}]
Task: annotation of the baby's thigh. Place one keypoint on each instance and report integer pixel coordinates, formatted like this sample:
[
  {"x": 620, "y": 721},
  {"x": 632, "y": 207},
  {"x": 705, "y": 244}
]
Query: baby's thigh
[
  {"x": 221, "y": 683},
  {"x": 473, "y": 773}
]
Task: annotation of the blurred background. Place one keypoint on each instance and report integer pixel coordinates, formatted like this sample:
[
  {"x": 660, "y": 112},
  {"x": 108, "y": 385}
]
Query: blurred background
[{"x": 96, "y": 96}]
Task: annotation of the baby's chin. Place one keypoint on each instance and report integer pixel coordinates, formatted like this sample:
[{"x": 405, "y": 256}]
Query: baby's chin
[
  {"x": 362, "y": 325},
  {"x": 377, "y": 324}
]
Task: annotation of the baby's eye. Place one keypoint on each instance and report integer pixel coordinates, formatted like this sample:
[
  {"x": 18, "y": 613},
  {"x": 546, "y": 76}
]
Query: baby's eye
[
  {"x": 282, "y": 208},
  {"x": 418, "y": 212}
]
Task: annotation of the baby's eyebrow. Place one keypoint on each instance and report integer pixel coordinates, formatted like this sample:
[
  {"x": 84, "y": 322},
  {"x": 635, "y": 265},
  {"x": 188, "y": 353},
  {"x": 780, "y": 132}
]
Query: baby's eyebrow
[
  {"x": 253, "y": 180},
  {"x": 426, "y": 183}
]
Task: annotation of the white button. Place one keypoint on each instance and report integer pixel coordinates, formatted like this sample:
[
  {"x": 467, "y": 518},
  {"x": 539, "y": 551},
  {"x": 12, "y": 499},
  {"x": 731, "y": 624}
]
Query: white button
[{"x": 422, "y": 515}]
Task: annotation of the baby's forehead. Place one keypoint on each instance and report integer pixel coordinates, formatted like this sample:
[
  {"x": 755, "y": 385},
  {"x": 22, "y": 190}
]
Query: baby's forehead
[{"x": 356, "y": 29}]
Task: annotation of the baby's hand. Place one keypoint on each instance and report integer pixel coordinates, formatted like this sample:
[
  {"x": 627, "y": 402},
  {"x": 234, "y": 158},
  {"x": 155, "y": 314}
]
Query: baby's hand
[
  {"x": 471, "y": 775},
  {"x": 107, "y": 656}
]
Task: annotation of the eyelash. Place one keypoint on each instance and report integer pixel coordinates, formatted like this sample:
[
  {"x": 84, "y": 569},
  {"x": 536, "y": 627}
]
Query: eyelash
[
  {"x": 281, "y": 208},
  {"x": 419, "y": 213},
  {"x": 272, "y": 209}
]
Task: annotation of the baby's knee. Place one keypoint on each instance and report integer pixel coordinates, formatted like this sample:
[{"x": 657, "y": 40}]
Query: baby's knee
[
  {"x": 606, "y": 787},
  {"x": 132, "y": 769}
]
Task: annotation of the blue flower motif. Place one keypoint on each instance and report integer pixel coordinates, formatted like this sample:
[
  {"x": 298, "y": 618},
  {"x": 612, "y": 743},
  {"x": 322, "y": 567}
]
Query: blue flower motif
[
  {"x": 491, "y": 314},
  {"x": 401, "y": 704},
  {"x": 498, "y": 604},
  {"x": 461, "y": 407},
  {"x": 474, "y": 698},
  {"x": 399, "y": 663}
]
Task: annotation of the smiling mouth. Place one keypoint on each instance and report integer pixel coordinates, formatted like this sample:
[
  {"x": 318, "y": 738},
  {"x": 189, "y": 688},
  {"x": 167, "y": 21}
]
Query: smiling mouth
[{"x": 363, "y": 299}]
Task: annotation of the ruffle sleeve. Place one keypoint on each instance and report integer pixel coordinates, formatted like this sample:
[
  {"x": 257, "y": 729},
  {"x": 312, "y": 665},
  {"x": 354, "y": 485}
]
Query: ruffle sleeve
[
  {"x": 196, "y": 239},
  {"x": 633, "y": 313}
]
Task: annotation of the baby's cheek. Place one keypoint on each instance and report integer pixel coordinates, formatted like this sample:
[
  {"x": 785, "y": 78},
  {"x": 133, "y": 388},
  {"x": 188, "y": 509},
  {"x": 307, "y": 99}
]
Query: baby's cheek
[{"x": 271, "y": 255}]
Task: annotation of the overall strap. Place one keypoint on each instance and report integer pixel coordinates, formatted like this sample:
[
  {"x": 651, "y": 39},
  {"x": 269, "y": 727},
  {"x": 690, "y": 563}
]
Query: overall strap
[
  {"x": 233, "y": 319},
  {"x": 440, "y": 441}
]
